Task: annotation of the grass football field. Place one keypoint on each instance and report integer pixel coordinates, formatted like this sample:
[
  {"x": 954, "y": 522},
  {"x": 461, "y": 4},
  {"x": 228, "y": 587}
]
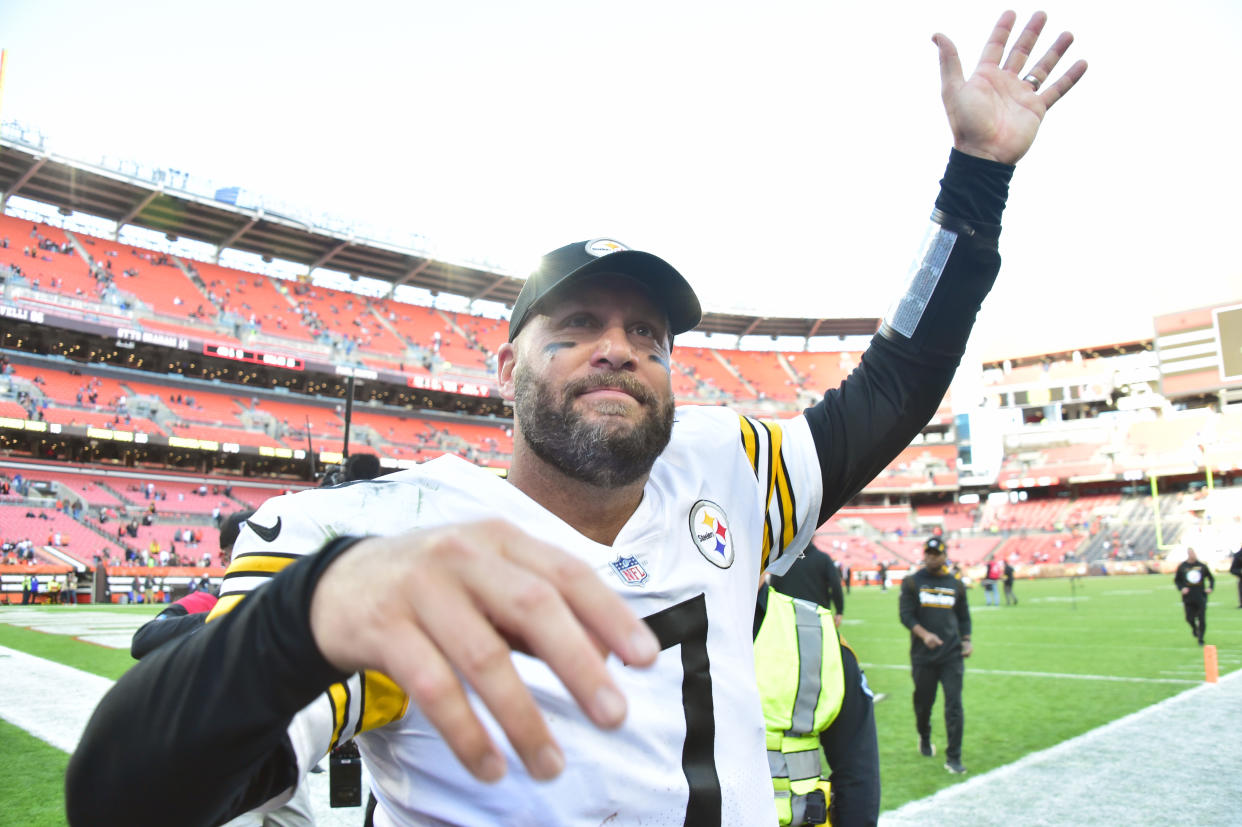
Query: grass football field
[{"x": 1068, "y": 658}]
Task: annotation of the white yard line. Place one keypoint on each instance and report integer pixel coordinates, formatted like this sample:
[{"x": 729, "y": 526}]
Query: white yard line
[
  {"x": 49, "y": 700},
  {"x": 1069, "y": 675},
  {"x": 54, "y": 702},
  {"x": 1160, "y": 765}
]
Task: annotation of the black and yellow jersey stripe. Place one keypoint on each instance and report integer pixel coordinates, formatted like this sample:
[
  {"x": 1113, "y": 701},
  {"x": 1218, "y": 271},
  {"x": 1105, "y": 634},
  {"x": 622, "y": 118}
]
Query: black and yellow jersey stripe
[{"x": 762, "y": 443}]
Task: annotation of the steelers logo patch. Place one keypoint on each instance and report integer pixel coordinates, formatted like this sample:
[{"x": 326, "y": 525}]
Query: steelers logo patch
[
  {"x": 1193, "y": 577},
  {"x": 710, "y": 529},
  {"x": 603, "y": 246}
]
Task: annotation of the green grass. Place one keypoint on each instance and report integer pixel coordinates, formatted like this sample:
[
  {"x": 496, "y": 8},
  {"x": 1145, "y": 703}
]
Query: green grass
[
  {"x": 89, "y": 657},
  {"x": 33, "y": 794},
  {"x": 1119, "y": 627}
]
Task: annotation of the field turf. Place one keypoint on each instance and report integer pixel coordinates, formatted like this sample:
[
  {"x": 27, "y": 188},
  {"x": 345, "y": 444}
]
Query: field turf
[{"x": 1070, "y": 657}]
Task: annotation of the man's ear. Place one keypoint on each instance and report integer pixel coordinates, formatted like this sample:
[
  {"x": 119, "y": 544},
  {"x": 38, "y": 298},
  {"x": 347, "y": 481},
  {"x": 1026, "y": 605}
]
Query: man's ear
[{"x": 506, "y": 362}]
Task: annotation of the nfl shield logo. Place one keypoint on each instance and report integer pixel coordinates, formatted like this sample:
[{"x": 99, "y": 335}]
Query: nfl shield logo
[{"x": 629, "y": 570}]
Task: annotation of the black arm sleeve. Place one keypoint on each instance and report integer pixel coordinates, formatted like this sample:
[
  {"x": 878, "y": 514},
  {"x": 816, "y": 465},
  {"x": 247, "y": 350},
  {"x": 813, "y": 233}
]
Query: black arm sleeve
[
  {"x": 203, "y": 723},
  {"x": 852, "y": 749},
  {"x": 165, "y": 626},
  {"x": 908, "y": 603},
  {"x": 859, "y": 427}
]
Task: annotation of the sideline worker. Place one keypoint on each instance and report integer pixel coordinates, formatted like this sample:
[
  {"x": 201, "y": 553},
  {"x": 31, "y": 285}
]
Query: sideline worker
[
  {"x": 815, "y": 697},
  {"x": 934, "y": 609}
]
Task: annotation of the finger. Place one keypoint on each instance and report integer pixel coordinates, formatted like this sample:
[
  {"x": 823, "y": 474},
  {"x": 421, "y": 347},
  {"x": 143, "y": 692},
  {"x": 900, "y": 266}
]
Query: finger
[
  {"x": 417, "y": 665},
  {"x": 1064, "y": 83},
  {"x": 1042, "y": 70},
  {"x": 470, "y": 643},
  {"x": 1026, "y": 41},
  {"x": 994, "y": 49},
  {"x": 950, "y": 64},
  {"x": 601, "y": 611}
]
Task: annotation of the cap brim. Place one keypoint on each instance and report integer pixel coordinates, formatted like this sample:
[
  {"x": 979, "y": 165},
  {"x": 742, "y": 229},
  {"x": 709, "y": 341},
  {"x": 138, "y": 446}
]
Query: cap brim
[{"x": 667, "y": 288}]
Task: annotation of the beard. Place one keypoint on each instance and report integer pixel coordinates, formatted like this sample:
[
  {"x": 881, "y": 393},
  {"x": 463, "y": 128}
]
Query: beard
[{"x": 603, "y": 453}]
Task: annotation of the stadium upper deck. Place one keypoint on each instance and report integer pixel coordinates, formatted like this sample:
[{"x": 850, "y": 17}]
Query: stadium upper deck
[{"x": 204, "y": 320}]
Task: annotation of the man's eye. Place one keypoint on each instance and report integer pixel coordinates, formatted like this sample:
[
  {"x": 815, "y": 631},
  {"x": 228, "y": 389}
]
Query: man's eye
[{"x": 644, "y": 330}]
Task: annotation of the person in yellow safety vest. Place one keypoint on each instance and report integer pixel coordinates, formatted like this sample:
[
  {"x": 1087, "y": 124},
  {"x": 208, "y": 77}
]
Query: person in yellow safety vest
[{"x": 817, "y": 707}]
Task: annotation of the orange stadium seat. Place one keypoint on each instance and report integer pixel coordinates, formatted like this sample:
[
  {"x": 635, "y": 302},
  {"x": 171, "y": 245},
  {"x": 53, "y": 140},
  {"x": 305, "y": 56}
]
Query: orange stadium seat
[
  {"x": 821, "y": 371},
  {"x": 702, "y": 366},
  {"x": 764, "y": 372},
  {"x": 165, "y": 287},
  {"x": 64, "y": 273},
  {"x": 207, "y": 406}
]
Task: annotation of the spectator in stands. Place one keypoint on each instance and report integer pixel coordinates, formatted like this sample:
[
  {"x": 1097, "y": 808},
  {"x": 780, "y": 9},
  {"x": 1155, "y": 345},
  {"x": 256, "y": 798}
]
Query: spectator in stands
[
  {"x": 1195, "y": 581},
  {"x": 933, "y": 607}
]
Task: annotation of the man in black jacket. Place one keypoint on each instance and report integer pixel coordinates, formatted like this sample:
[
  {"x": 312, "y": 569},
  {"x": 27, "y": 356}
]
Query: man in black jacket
[
  {"x": 934, "y": 609},
  {"x": 814, "y": 577},
  {"x": 1235, "y": 568},
  {"x": 1190, "y": 580}
]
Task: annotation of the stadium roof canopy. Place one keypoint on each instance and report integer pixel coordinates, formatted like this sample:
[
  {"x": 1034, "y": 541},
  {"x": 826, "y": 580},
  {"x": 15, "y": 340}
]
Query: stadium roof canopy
[{"x": 28, "y": 171}]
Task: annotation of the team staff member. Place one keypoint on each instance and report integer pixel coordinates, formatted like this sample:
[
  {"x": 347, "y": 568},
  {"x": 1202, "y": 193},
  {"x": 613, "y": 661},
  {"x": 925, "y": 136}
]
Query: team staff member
[
  {"x": 814, "y": 577},
  {"x": 1195, "y": 581},
  {"x": 933, "y": 607},
  {"x": 613, "y": 515},
  {"x": 815, "y": 697},
  {"x": 1235, "y": 568}
]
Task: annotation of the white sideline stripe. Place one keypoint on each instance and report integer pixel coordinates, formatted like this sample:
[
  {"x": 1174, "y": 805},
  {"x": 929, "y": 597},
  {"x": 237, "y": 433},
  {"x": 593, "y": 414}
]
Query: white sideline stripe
[
  {"x": 36, "y": 697},
  {"x": 1070, "y": 675},
  {"x": 1094, "y": 780},
  {"x": 54, "y": 702}
]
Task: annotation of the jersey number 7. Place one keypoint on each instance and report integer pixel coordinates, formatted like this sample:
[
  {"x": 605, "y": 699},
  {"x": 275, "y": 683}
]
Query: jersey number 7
[{"x": 686, "y": 624}]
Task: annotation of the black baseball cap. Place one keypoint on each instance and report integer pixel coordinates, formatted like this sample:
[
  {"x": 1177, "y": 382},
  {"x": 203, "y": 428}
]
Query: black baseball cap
[
  {"x": 231, "y": 527},
  {"x": 935, "y": 545},
  {"x": 668, "y": 288}
]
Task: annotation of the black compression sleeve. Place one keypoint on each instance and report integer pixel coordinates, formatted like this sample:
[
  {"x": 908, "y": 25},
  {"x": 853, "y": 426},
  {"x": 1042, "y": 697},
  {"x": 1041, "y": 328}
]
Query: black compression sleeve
[
  {"x": 203, "y": 723},
  {"x": 166, "y": 626},
  {"x": 852, "y": 749},
  {"x": 859, "y": 427}
]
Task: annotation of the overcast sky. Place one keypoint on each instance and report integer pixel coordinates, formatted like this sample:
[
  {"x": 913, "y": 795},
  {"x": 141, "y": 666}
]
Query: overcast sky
[{"x": 783, "y": 155}]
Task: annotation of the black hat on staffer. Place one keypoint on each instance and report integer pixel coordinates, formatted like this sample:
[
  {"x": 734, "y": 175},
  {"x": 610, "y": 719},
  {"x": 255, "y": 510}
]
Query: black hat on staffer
[
  {"x": 667, "y": 287},
  {"x": 231, "y": 527},
  {"x": 935, "y": 545}
]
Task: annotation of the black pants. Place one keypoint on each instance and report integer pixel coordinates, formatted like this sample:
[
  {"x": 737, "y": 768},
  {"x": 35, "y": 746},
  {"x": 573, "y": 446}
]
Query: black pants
[
  {"x": 1196, "y": 616},
  {"x": 1009, "y": 598},
  {"x": 926, "y": 677},
  {"x": 1240, "y": 592}
]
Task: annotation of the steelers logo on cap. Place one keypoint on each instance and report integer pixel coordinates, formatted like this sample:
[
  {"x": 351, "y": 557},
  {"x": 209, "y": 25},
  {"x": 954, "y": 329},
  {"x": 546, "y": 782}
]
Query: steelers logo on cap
[{"x": 603, "y": 246}]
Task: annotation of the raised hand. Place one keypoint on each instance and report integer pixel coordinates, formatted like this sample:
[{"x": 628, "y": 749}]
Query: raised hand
[
  {"x": 427, "y": 606},
  {"x": 996, "y": 112}
]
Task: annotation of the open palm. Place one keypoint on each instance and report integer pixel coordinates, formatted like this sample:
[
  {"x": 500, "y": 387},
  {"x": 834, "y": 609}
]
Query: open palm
[{"x": 996, "y": 113}]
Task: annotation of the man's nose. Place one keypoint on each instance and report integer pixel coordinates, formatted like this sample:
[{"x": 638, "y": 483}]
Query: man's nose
[{"x": 613, "y": 349}]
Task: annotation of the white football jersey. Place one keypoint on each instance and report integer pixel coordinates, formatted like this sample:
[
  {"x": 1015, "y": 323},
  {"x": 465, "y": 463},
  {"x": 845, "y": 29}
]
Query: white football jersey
[{"x": 728, "y": 496}]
